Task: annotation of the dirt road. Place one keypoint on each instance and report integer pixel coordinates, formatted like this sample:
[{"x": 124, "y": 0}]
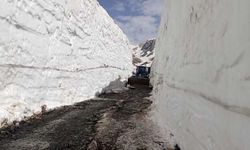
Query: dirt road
[{"x": 110, "y": 122}]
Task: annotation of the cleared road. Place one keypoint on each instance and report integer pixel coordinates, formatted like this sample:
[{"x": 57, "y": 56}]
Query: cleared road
[{"x": 112, "y": 121}]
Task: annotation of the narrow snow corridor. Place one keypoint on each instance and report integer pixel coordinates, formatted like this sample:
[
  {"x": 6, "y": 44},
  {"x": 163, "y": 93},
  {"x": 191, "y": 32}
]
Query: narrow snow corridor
[{"x": 74, "y": 78}]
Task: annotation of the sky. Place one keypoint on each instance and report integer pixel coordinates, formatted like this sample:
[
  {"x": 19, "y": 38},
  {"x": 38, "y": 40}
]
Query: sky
[{"x": 139, "y": 19}]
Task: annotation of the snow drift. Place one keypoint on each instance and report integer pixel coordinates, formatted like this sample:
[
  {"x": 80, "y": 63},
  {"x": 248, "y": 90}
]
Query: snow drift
[
  {"x": 55, "y": 53},
  {"x": 202, "y": 73}
]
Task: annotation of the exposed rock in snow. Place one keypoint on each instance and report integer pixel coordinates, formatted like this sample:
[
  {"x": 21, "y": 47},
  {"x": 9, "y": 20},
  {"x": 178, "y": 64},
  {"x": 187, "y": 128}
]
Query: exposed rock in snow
[
  {"x": 201, "y": 70},
  {"x": 143, "y": 54},
  {"x": 55, "y": 53}
]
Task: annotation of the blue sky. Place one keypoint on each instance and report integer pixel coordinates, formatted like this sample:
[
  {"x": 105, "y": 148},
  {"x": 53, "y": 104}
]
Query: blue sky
[{"x": 139, "y": 19}]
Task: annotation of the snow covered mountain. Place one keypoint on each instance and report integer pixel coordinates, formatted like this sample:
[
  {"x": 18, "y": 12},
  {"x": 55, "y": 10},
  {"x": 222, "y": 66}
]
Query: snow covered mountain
[
  {"x": 202, "y": 74},
  {"x": 143, "y": 54},
  {"x": 57, "y": 52}
]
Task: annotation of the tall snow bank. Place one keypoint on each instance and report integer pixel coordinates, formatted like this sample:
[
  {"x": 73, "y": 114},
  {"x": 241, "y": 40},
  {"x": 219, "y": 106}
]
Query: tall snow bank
[
  {"x": 55, "y": 53},
  {"x": 202, "y": 73}
]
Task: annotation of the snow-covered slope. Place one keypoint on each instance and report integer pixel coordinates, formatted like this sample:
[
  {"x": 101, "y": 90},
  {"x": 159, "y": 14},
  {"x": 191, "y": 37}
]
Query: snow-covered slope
[
  {"x": 56, "y": 52},
  {"x": 143, "y": 54},
  {"x": 202, "y": 73}
]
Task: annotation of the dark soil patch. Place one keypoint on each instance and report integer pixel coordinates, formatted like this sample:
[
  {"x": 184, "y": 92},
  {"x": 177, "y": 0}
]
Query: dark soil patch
[{"x": 69, "y": 127}]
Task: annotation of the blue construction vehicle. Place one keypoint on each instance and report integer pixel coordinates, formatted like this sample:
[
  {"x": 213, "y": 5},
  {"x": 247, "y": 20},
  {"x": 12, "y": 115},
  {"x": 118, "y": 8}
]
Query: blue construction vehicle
[
  {"x": 141, "y": 76},
  {"x": 142, "y": 71}
]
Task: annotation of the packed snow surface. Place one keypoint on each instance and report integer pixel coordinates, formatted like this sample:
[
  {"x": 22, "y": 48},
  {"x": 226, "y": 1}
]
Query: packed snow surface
[
  {"x": 202, "y": 74},
  {"x": 56, "y": 52}
]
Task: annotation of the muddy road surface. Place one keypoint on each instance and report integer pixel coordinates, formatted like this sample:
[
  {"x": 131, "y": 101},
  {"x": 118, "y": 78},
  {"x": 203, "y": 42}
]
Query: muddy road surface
[{"x": 110, "y": 122}]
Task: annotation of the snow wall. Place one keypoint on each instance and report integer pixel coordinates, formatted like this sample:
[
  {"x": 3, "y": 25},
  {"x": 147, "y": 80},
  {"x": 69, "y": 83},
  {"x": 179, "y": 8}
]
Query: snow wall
[
  {"x": 56, "y": 52},
  {"x": 202, "y": 74}
]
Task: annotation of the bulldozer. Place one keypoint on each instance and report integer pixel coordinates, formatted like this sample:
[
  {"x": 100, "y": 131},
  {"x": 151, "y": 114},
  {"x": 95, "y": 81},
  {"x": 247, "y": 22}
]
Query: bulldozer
[{"x": 141, "y": 76}]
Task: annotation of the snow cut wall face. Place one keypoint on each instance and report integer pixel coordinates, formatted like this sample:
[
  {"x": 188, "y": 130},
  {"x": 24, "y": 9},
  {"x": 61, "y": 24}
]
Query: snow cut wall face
[
  {"x": 56, "y": 52},
  {"x": 202, "y": 73}
]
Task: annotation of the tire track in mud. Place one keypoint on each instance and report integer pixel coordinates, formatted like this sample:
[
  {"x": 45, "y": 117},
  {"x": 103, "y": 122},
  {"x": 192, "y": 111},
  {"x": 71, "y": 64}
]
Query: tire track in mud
[{"x": 128, "y": 127}]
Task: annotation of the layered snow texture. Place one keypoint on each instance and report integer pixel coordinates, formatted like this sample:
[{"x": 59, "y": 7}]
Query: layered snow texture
[
  {"x": 56, "y": 52},
  {"x": 202, "y": 73},
  {"x": 143, "y": 54}
]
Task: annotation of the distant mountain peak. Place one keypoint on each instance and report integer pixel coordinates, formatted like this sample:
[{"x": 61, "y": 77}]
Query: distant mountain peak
[{"x": 143, "y": 54}]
